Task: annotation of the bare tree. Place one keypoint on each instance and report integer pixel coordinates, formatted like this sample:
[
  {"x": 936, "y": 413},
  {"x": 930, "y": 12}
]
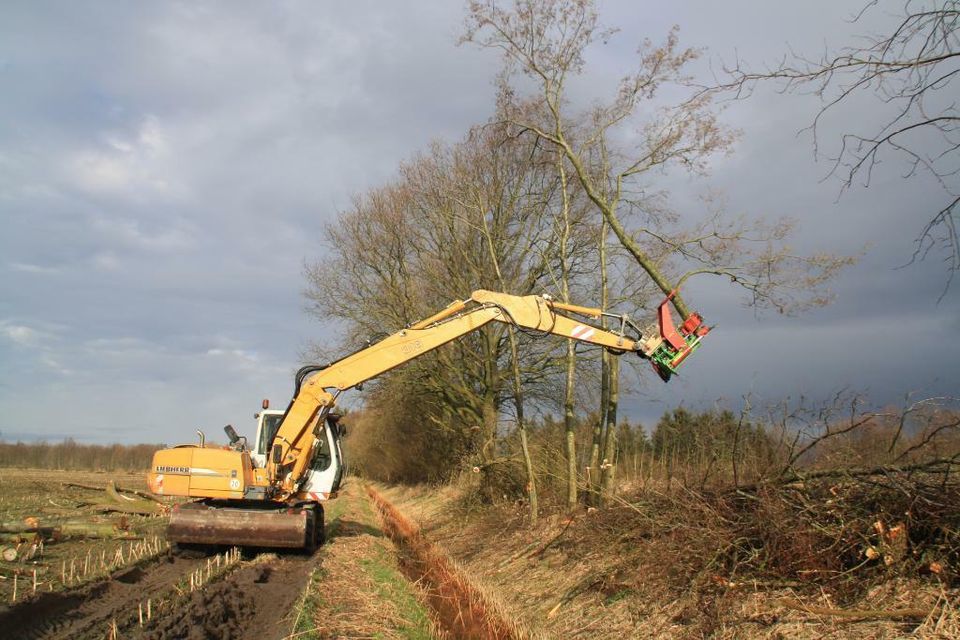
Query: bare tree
[
  {"x": 911, "y": 70},
  {"x": 564, "y": 241},
  {"x": 543, "y": 44},
  {"x": 517, "y": 379},
  {"x": 459, "y": 217},
  {"x": 836, "y": 436}
]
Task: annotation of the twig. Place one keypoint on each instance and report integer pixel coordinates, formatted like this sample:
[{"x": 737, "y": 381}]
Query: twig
[
  {"x": 858, "y": 473},
  {"x": 855, "y": 614},
  {"x": 552, "y": 541}
]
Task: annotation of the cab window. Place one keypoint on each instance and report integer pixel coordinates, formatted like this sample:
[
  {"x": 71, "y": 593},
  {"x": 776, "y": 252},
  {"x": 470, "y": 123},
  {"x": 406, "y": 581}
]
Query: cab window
[
  {"x": 271, "y": 424},
  {"x": 322, "y": 457}
]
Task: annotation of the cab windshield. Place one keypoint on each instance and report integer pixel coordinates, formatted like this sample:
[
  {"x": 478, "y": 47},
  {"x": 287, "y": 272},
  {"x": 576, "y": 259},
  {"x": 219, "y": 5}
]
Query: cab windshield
[{"x": 270, "y": 425}]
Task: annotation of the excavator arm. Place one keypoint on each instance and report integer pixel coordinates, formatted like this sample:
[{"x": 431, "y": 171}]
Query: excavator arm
[
  {"x": 293, "y": 446},
  {"x": 237, "y": 502}
]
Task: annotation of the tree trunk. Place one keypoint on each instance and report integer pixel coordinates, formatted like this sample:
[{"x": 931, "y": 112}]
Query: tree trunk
[
  {"x": 488, "y": 435},
  {"x": 517, "y": 382},
  {"x": 610, "y": 437},
  {"x": 70, "y": 529},
  {"x": 570, "y": 426},
  {"x": 605, "y": 358},
  {"x": 569, "y": 423},
  {"x": 522, "y": 428}
]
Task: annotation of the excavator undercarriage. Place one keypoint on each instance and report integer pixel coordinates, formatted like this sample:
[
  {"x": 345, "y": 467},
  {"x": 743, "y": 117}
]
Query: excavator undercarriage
[{"x": 249, "y": 524}]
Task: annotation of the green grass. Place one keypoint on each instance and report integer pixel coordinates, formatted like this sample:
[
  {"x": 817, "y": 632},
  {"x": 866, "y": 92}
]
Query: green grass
[
  {"x": 332, "y": 511},
  {"x": 305, "y": 627},
  {"x": 380, "y": 568},
  {"x": 392, "y": 585},
  {"x": 618, "y": 596}
]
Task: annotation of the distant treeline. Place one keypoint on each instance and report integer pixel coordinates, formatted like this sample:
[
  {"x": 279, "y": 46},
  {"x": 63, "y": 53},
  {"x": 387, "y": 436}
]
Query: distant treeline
[
  {"x": 72, "y": 455},
  {"x": 715, "y": 448}
]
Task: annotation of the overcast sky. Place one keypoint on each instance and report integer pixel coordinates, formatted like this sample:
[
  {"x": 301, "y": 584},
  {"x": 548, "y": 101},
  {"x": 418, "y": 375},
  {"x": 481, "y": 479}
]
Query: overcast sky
[{"x": 166, "y": 168}]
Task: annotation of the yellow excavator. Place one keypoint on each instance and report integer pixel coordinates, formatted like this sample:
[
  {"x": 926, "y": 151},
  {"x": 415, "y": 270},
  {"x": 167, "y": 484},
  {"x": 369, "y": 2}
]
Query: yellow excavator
[{"x": 271, "y": 494}]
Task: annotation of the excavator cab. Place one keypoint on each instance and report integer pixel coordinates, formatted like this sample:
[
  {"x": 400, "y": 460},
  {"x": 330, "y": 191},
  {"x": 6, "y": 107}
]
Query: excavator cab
[
  {"x": 268, "y": 422},
  {"x": 325, "y": 474}
]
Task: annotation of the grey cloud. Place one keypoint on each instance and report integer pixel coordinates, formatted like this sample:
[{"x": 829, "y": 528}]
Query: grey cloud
[{"x": 166, "y": 168}]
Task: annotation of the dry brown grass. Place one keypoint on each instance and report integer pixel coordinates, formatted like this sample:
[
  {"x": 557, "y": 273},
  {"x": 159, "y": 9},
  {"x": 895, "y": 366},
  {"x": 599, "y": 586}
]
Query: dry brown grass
[
  {"x": 359, "y": 590},
  {"x": 464, "y": 607},
  {"x": 945, "y": 623},
  {"x": 349, "y": 605},
  {"x": 760, "y": 564}
]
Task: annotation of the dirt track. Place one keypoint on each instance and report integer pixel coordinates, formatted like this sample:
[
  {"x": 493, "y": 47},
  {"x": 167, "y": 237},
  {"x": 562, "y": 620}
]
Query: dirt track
[
  {"x": 89, "y": 611},
  {"x": 251, "y": 602},
  {"x": 358, "y": 590}
]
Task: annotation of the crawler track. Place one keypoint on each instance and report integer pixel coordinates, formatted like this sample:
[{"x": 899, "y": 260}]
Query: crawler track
[{"x": 89, "y": 611}]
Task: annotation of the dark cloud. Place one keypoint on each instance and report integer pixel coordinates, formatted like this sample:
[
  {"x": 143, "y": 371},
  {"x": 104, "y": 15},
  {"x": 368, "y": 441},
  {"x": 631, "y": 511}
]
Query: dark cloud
[{"x": 166, "y": 168}]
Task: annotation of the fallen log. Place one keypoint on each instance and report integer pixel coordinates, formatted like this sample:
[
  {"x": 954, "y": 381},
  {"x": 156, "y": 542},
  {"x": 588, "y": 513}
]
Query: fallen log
[
  {"x": 132, "y": 505},
  {"x": 150, "y": 505},
  {"x": 141, "y": 507},
  {"x": 146, "y": 495},
  {"x": 87, "y": 530},
  {"x": 19, "y": 526},
  {"x": 63, "y": 530},
  {"x": 17, "y": 538}
]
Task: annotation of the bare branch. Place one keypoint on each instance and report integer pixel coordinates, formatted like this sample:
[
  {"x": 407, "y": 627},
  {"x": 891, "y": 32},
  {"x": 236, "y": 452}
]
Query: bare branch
[{"x": 912, "y": 70}]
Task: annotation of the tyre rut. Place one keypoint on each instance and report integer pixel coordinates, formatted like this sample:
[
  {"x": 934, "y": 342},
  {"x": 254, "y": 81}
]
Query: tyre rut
[
  {"x": 89, "y": 610},
  {"x": 252, "y": 601}
]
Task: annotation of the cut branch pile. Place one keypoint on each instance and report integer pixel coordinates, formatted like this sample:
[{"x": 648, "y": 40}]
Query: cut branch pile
[
  {"x": 83, "y": 521},
  {"x": 837, "y": 534},
  {"x": 847, "y": 528}
]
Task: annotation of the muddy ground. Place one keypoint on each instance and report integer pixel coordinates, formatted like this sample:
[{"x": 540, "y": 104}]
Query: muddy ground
[
  {"x": 89, "y": 611},
  {"x": 351, "y": 587},
  {"x": 253, "y": 601},
  {"x": 67, "y": 564}
]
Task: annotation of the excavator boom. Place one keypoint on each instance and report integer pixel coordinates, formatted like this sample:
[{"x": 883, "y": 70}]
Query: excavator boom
[{"x": 294, "y": 440}]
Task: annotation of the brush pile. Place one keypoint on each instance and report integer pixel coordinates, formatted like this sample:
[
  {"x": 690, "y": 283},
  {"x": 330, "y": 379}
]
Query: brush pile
[{"x": 880, "y": 546}]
